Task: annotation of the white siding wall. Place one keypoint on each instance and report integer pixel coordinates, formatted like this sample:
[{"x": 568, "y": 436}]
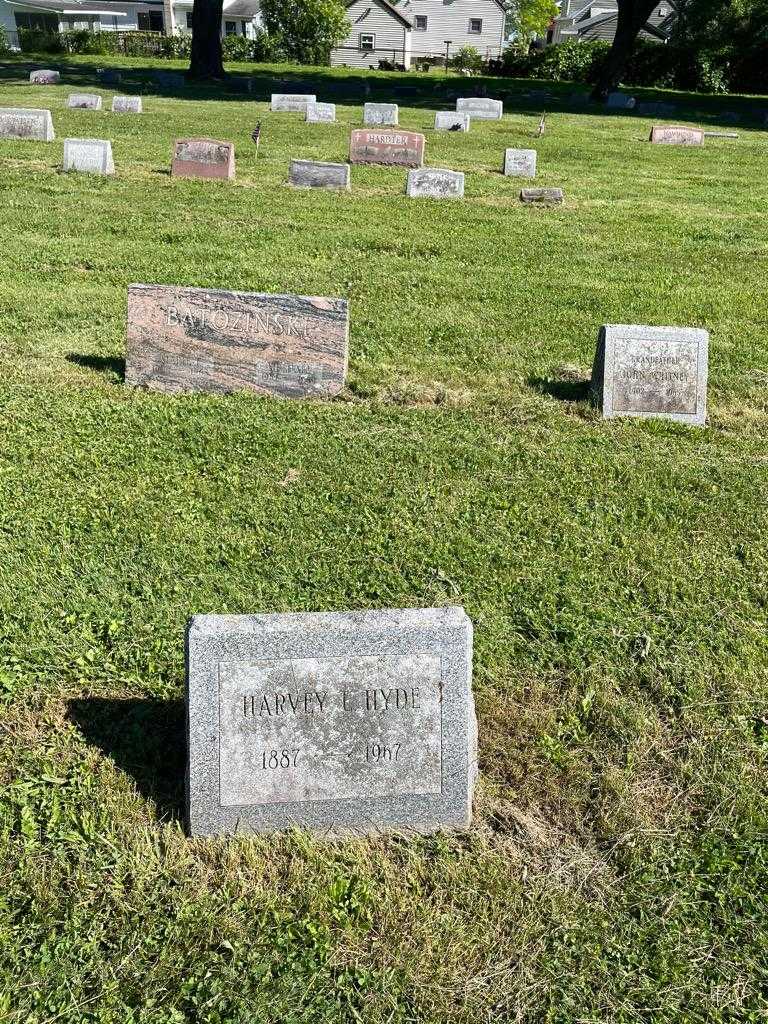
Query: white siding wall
[
  {"x": 449, "y": 19},
  {"x": 367, "y": 16}
]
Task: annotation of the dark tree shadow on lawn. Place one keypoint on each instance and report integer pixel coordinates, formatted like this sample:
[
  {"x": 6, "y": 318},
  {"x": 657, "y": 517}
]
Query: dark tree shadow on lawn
[
  {"x": 114, "y": 365},
  {"x": 563, "y": 389},
  {"x": 146, "y": 738}
]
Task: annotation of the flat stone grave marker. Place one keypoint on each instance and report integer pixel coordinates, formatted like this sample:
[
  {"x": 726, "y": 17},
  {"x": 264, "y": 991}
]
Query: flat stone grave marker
[
  {"x": 203, "y": 158},
  {"x": 397, "y": 148},
  {"x": 676, "y": 135},
  {"x": 546, "y": 196},
  {"x": 451, "y": 121},
  {"x": 45, "y": 76},
  {"x": 335, "y": 722},
  {"x": 108, "y": 76},
  {"x": 520, "y": 163},
  {"x": 435, "y": 183},
  {"x": 652, "y": 371},
  {"x": 480, "y": 107},
  {"x": 26, "y": 123},
  {"x": 201, "y": 339},
  {"x": 619, "y": 101},
  {"x": 381, "y": 113},
  {"x": 295, "y": 102},
  {"x": 91, "y": 156},
  {"x": 317, "y": 174},
  {"x": 84, "y": 101},
  {"x": 321, "y": 113},
  {"x": 127, "y": 105}
]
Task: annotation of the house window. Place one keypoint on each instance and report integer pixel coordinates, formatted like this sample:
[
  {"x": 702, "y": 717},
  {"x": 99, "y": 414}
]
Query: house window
[
  {"x": 475, "y": 26},
  {"x": 367, "y": 41},
  {"x": 189, "y": 20},
  {"x": 150, "y": 21},
  {"x": 230, "y": 28},
  {"x": 244, "y": 27},
  {"x": 420, "y": 23},
  {"x": 40, "y": 22}
]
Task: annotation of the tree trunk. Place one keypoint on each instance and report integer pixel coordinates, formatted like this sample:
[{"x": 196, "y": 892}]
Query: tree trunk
[
  {"x": 205, "y": 60},
  {"x": 632, "y": 15}
]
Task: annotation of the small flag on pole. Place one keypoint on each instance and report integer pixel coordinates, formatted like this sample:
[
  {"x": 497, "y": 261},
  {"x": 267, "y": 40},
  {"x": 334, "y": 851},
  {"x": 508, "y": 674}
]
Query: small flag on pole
[
  {"x": 256, "y": 136},
  {"x": 542, "y": 123}
]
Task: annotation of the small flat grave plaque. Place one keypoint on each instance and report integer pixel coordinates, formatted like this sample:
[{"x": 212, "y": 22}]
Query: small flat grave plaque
[
  {"x": 126, "y": 105},
  {"x": 619, "y": 101},
  {"x": 451, "y": 121},
  {"x": 480, "y": 107},
  {"x": 520, "y": 163},
  {"x": 321, "y": 113},
  {"x": 203, "y": 158},
  {"x": 45, "y": 76},
  {"x": 546, "y": 196},
  {"x": 652, "y": 372},
  {"x": 317, "y": 174},
  {"x": 381, "y": 113},
  {"x": 337, "y": 722},
  {"x": 84, "y": 101},
  {"x": 435, "y": 183},
  {"x": 398, "y": 148},
  {"x": 91, "y": 156},
  {"x": 26, "y": 123},
  {"x": 295, "y": 102},
  {"x": 676, "y": 135},
  {"x": 199, "y": 339}
]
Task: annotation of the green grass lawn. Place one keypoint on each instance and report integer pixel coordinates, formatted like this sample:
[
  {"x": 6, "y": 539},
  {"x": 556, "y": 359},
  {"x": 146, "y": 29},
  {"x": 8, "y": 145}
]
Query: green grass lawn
[{"x": 616, "y": 572}]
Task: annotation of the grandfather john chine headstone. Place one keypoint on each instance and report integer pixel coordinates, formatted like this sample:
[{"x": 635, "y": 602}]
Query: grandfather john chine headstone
[
  {"x": 295, "y": 102},
  {"x": 321, "y": 113},
  {"x": 652, "y": 371},
  {"x": 520, "y": 163},
  {"x": 201, "y": 339},
  {"x": 126, "y": 105},
  {"x": 451, "y": 121},
  {"x": 545, "y": 196},
  {"x": 84, "y": 101},
  {"x": 336, "y": 722},
  {"x": 203, "y": 158},
  {"x": 480, "y": 107},
  {"x": 26, "y": 123},
  {"x": 44, "y": 77},
  {"x": 318, "y": 174},
  {"x": 435, "y": 183},
  {"x": 386, "y": 146},
  {"x": 676, "y": 135},
  {"x": 92, "y": 156},
  {"x": 381, "y": 113}
]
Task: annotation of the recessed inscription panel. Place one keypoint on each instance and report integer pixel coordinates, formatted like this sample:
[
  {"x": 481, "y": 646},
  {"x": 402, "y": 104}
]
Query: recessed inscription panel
[
  {"x": 653, "y": 377},
  {"x": 313, "y": 729},
  {"x": 393, "y": 147}
]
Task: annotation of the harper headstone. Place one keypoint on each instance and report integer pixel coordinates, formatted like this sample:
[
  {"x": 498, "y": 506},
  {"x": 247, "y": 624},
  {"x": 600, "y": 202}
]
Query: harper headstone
[
  {"x": 292, "y": 101},
  {"x": 45, "y": 76},
  {"x": 546, "y": 196},
  {"x": 203, "y": 158},
  {"x": 676, "y": 135},
  {"x": 84, "y": 101},
  {"x": 435, "y": 183},
  {"x": 451, "y": 121},
  {"x": 381, "y": 113},
  {"x": 321, "y": 113},
  {"x": 520, "y": 163},
  {"x": 334, "y": 722},
  {"x": 202, "y": 339},
  {"x": 91, "y": 156},
  {"x": 126, "y": 105},
  {"x": 317, "y": 174},
  {"x": 652, "y": 372},
  {"x": 398, "y": 148},
  {"x": 26, "y": 123},
  {"x": 619, "y": 101},
  {"x": 480, "y": 107}
]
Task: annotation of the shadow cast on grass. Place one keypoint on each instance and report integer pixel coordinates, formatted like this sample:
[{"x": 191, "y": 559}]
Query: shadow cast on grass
[
  {"x": 108, "y": 365},
  {"x": 562, "y": 390},
  {"x": 145, "y": 737}
]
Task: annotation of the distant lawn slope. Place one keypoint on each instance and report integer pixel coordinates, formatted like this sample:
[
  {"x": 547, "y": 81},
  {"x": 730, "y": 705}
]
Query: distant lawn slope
[{"x": 616, "y": 572}]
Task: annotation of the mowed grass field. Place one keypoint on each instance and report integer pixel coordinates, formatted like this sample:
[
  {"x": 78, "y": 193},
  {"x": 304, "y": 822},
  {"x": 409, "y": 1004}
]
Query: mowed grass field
[{"x": 615, "y": 572}]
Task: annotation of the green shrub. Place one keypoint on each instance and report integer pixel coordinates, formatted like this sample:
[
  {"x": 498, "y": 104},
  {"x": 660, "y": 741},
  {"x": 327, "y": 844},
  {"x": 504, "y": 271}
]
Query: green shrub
[
  {"x": 236, "y": 48},
  {"x": 83, "y": 41},
  {"x": 467, "y": 59},
  {"x": 34, "y": 40},
  {"x": 4, "y": 47},
  {"x": 572, "y": 61}
]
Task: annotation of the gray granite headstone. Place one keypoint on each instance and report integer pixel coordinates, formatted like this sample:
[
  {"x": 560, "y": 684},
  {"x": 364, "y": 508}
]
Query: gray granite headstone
[
  {"x": 318, "y": 174},
  {"x": 126, "y": 105},
  {"x": 480, "y": 107},
  {"x": 545, "y": 196},
  {"x": 435, "y": 183},
  {"x": 84, "y": 101},
  {"x": 335, "y": 722},
  {"x": 45, "y": 76},
  {"x": 26, "y": 123},
  {"x": 619, "y": 101},
  {"x": 652, "y": 372},
  {"x": 381, "y": 114},
  {"x": 321, "y": 113},
  {"x": 451, "y": 121},
  {"x": 292, "y": 101},
  {"x": 92, "y": 156},
  {"x": 520, "y": 163}
]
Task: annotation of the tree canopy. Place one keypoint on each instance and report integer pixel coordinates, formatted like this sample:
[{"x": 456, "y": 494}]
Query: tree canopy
[{"x": 307, "y": 29}]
